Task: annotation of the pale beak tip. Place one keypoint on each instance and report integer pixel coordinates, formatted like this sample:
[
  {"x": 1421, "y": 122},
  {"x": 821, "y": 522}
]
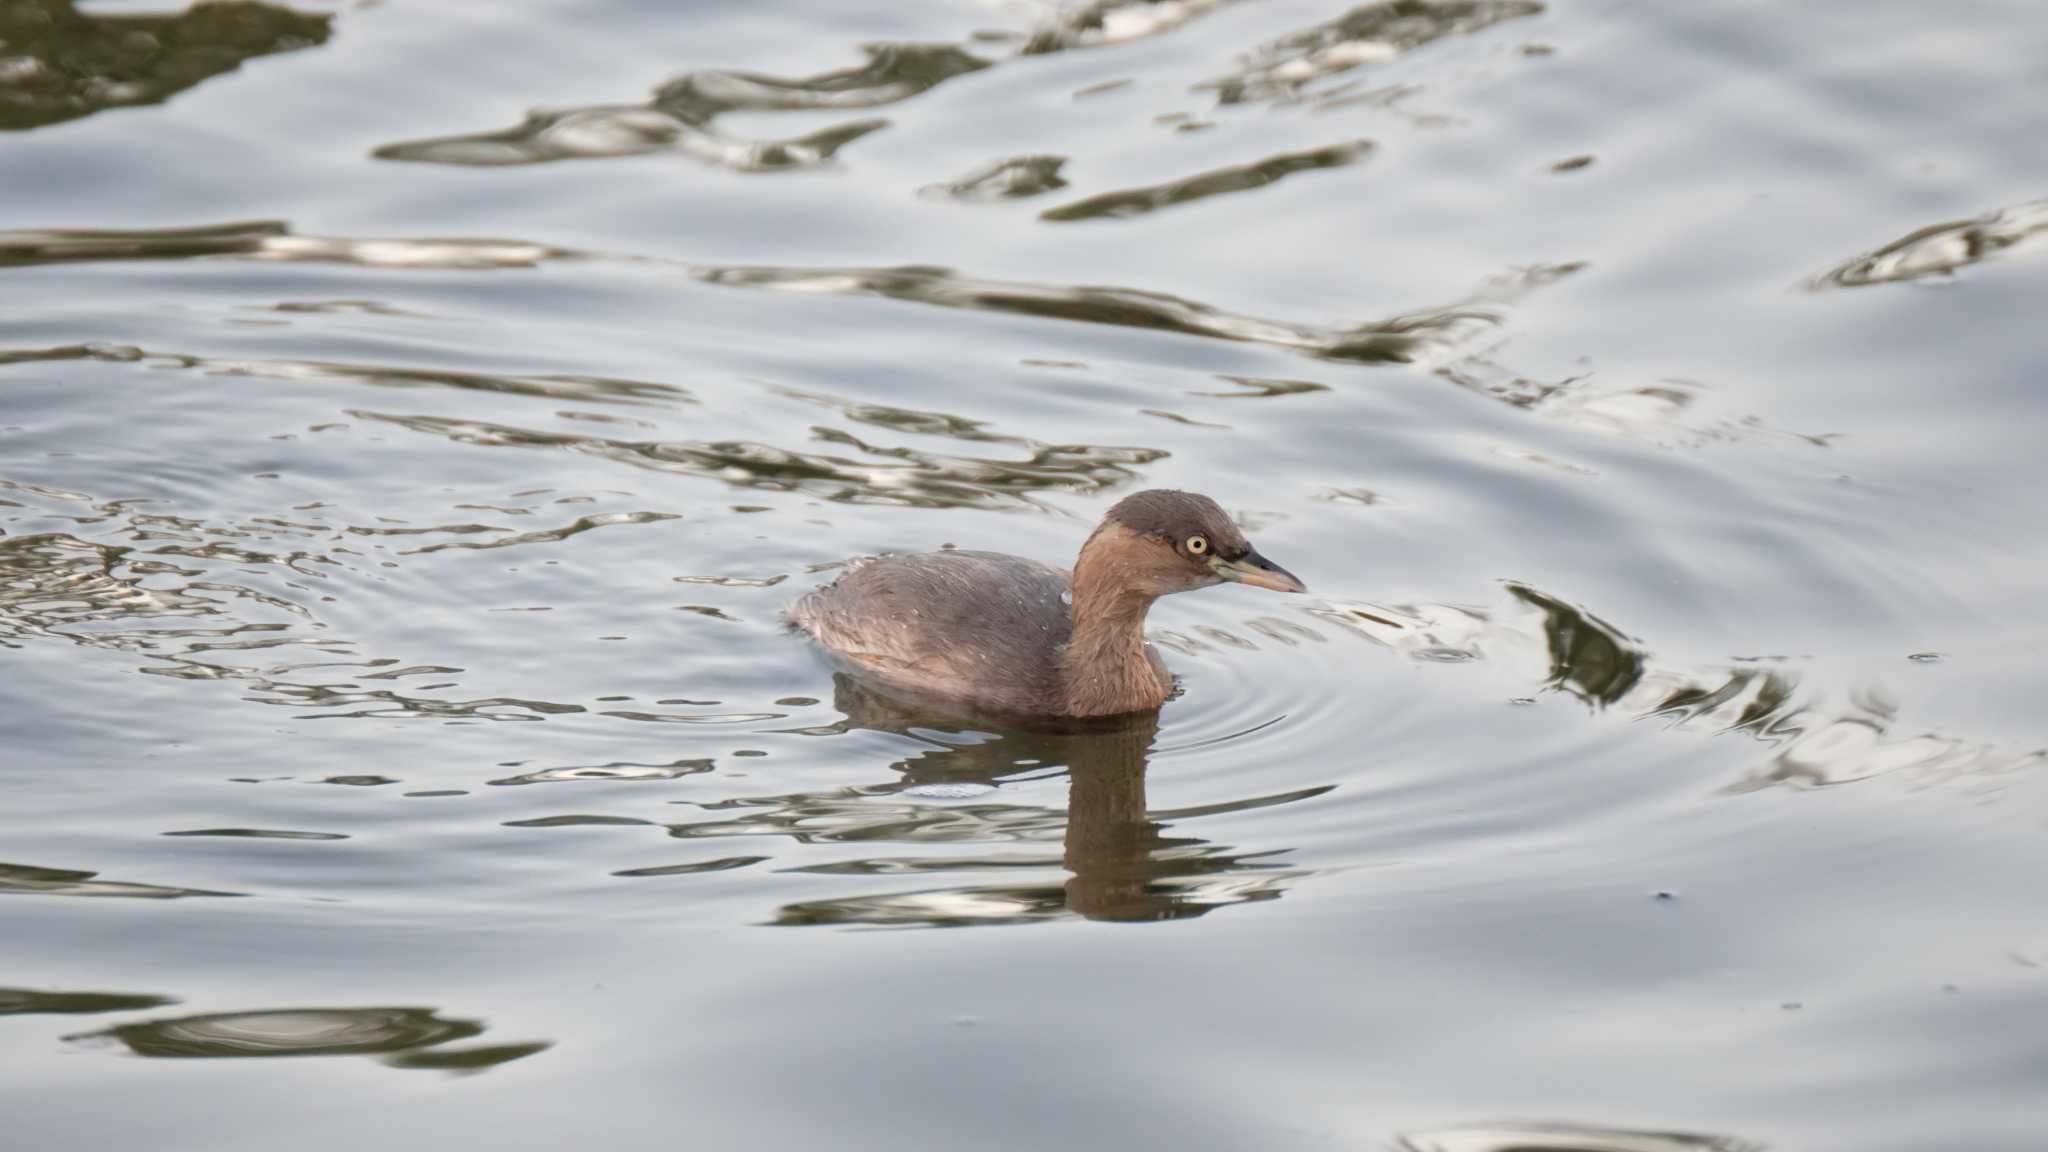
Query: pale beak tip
[{"x": 1259, "y": 572}]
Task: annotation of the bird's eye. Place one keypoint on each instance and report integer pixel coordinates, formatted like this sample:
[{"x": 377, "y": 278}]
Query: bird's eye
[{"x": 1197, "y": 545}]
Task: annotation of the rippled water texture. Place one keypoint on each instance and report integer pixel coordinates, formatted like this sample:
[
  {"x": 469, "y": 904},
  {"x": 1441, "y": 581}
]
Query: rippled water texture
[{"x": 415, "y": 417}]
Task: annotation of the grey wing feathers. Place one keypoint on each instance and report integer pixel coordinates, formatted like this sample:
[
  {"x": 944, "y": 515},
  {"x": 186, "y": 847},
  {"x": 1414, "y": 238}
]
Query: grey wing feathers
[{"x": 937, "y": 614}]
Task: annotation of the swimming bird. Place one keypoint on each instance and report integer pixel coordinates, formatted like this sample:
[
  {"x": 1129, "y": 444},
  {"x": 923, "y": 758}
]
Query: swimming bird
[{"x": 1009, "y": 636}]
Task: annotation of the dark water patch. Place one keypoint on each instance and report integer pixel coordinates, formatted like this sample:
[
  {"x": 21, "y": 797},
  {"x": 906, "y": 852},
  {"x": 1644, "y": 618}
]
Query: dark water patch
[
  {"x": 1017, "y": 178},
  {"x": 1183, "y": 122},
  {"x": 1945, "y": 249},
  {"x": 1589, "y": 658},
  {"x": 1177, "y": 418},
  {"x": 1130, "y": 202},
  {"x": 30, "y": 247},
  {"x": 1249, "y": 387},
  {"x": 464, "y": 1059},
  {"x": 410, "y": 670},
  {"x": 26, "y": 879},
  {"x": 1282, "y": 70},
  {"x": 1363, "y": 497},
  {"x": 578, "y": 820},
  {"x": 292, "y": 1032},
  {"x": 61, "y": 64},
  {"x": 1102, "y": 89},
  {"x": 258, "y": 834},
  {"x": 34, "y": 1002},
  {"x": 1547, "y": 1137},
  {"x": 681, "y": 118},
  {"x": 342, "y": 308},
  {"x": 694, "y": 867},
  {"x": 695, "y": 717}
]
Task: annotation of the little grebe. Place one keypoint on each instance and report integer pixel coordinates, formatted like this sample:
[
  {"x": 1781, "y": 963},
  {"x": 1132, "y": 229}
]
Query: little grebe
[{"x": 1003, "y": 634}]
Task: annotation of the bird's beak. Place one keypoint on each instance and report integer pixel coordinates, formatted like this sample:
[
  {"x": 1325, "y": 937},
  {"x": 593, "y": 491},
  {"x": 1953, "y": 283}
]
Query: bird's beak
[{"x": 1257, "y": 571}]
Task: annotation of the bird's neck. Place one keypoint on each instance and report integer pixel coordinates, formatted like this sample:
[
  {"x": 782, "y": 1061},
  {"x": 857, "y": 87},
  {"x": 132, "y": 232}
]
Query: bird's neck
[{"x": 1105, "y": 668}]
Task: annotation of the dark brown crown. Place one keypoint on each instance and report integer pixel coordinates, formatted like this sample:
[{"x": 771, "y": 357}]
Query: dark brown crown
[{"x": 1175, "y": 516}]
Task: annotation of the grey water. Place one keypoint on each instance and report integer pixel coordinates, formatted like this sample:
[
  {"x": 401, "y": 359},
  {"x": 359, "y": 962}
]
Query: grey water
[{"x": 414, "y": 417}]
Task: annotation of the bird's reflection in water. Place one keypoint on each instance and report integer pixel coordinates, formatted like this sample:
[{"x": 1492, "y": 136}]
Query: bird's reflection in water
[{"x": 1121, "y": 863}]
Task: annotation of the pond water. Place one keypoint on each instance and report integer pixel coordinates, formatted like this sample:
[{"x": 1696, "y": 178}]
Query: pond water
[{"x": 413, "y": 418}]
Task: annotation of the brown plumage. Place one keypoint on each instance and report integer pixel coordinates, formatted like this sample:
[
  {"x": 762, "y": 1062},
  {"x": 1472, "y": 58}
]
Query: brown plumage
[{"x": 1009, "y": 636}]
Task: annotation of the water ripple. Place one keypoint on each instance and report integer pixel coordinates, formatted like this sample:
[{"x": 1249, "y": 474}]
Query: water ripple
[
  {"x": 1423, "y": 335},
  {"x": 1944, "y": 249},
  {"x": 1131, "y": 202},
  {"x": 616, "y": 770},
  {"x": 1101, "y": 23},
  {"x": 28, "y": 879},
  {"x": 1016, "y": 178},
  {"x": 903, "y": 476},
  {"x": 1430, "y": 335},
  {"x": 1566, "y": 1138},
  {"x": 681, "y": 117},
  {"x": 270, "y": 240},
  {"x": 1369, "y": 34},
  {"x": 259, "y": 834},
  {"x": 1815, "y": 735}
]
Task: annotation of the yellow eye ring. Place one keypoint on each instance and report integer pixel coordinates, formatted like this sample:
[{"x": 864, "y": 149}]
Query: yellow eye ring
[{"x": 1197, "y": 545}]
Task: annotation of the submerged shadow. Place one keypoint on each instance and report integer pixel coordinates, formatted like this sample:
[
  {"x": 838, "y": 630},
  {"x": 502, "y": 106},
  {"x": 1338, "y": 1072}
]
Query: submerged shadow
[{"x": 1122, "y": 862}]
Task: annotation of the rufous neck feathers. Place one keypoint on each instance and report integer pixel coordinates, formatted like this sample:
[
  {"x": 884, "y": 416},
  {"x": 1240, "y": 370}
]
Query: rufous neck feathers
[{"x": 1105, "y": 667}]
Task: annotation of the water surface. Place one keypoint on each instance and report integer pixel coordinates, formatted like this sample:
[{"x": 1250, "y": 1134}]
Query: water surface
[{"x": 413, "y": 419}]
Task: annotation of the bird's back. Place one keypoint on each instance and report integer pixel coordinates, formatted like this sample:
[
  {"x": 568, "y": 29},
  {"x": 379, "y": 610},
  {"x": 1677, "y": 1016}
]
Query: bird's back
[{"x": 980, "y": 628}]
